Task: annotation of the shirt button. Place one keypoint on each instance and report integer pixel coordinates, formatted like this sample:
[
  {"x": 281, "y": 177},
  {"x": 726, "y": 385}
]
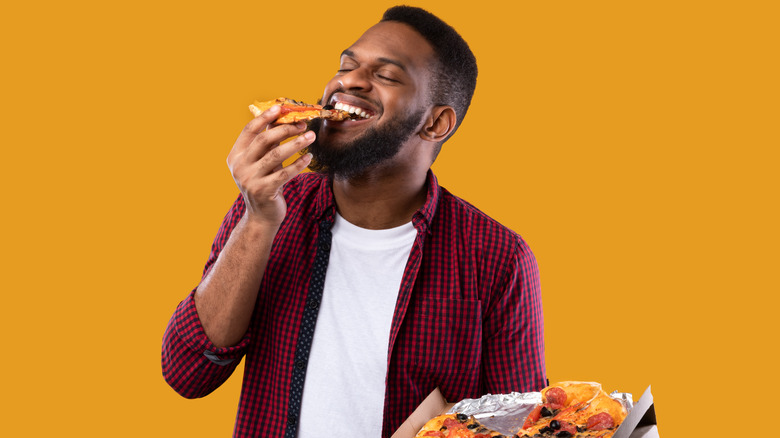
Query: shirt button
[
  {"x": 300, "y": 364},
  {"x": 291, "y": 420},
  {"x": 313, "y": 305}
]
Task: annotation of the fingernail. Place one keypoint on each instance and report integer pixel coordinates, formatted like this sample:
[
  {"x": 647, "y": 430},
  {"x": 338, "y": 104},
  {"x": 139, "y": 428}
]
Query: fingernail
[{"x": 308, "y": 135}]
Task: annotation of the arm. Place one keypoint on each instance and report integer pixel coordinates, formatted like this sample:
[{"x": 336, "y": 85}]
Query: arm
[
  {"x": 208, "y": 331},
  {"x": 514, "y": 331},
  {"x": 226, "y": 296}
]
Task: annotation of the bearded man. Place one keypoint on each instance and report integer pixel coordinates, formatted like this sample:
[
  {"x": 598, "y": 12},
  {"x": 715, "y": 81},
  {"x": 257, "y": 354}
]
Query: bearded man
[{"x": 355, "y": 290}]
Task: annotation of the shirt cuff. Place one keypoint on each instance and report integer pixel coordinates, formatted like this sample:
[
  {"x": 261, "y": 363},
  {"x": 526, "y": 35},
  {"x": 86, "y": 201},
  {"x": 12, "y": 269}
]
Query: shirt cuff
[{"x": 189, "y": 329}]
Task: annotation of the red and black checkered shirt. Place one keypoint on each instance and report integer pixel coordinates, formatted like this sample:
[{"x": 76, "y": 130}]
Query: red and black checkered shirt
[{"x": 468, "y": 317}]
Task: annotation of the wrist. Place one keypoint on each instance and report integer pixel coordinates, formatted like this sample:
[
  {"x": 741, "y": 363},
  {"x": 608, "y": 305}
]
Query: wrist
[{"x": 255, "y": 225}]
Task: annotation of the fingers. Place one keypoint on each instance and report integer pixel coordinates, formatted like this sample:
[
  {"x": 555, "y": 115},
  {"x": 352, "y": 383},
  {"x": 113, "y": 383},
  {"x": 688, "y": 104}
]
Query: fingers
[
  {"x": 269, "y": 139},
  {"x": 260, "y": 122},
  {"x": 281, "y": 176},
  {"x": 273, "y": 160},
  {"x": 259, "y": 125}
]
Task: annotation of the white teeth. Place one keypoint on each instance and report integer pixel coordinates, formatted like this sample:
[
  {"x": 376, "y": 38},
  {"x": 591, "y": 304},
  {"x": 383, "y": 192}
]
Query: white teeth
[{"x": 351, "y": 109}]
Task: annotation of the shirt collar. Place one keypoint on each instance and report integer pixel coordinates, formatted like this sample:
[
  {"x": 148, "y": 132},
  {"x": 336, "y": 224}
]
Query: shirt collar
[
  {"x": 325, "y": 208},
  {"x": 423, "y": 218}
]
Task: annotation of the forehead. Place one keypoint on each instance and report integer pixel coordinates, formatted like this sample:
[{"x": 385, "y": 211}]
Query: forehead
[{"x": 397, "y": 41}]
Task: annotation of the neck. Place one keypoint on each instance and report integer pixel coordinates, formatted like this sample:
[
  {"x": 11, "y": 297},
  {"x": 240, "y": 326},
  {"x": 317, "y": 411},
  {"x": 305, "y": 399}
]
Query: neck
[{"x": 380, "y": 201}]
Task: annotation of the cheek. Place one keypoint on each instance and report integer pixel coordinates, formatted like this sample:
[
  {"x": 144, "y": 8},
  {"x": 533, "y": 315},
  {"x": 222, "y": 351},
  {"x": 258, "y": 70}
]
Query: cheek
[{"x": 330, "y": 88}]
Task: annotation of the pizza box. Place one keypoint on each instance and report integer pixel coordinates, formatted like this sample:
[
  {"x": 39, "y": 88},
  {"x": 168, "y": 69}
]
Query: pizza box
[
  {"x": 640, "y": 422},
  {"x": 432, "y": 406}
]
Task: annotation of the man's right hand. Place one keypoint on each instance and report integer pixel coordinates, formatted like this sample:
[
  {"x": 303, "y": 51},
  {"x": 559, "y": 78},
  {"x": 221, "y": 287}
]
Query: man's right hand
[{"x": 256, "y": 163}]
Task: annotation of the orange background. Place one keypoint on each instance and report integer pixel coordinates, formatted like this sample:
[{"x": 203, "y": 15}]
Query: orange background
[{"x": 638, "y": 159}]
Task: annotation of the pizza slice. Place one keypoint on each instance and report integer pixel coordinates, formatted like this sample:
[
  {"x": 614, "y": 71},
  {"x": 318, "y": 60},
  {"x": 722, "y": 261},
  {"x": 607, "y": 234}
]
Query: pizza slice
[
  {"x": 456, "y": 426},
  {"x": 294, "y": 111},
  {"x": 574, "y": 409}
]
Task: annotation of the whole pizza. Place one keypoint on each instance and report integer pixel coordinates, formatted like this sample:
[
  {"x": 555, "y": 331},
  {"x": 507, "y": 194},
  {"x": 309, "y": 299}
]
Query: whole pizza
[{"x": 568, "y": 409}]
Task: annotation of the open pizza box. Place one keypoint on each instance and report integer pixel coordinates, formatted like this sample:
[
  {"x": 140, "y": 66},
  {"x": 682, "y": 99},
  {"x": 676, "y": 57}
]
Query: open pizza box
[{"x": 640, "y": 422}]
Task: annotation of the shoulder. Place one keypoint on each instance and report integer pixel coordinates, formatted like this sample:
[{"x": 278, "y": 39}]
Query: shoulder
[
  {"x": 470, "y": 219},
  {"x": 473, "y": 232}
]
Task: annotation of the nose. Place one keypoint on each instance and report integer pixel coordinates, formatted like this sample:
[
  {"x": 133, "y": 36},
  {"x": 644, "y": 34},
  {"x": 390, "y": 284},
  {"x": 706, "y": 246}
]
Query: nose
[{"x": 356, "y": 79}]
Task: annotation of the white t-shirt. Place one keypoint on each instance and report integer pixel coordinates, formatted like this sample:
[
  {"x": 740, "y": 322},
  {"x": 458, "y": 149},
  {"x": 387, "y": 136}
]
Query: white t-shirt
[{"x": 345, "y": 379}]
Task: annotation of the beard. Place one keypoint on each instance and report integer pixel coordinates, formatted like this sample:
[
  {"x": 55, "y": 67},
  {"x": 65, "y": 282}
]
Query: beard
[{"x": 375, "y": 146}]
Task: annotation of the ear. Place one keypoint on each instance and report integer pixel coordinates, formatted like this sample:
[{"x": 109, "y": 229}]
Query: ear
[{"x": 439, "y": 124}]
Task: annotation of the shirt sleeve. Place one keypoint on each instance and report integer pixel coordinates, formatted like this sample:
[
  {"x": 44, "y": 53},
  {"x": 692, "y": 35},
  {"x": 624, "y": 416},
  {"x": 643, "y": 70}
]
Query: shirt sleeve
[
  {"x": 513, "y": 351},
  {"x": 191, "y": 364}
]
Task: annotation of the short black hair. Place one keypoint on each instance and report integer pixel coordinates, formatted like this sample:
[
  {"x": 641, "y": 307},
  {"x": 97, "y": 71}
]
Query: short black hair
[{"x": 455, "y": 75}]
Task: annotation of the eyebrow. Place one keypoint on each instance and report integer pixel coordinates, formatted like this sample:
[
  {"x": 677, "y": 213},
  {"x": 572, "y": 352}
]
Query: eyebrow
[{"x": 399, "y": 64}]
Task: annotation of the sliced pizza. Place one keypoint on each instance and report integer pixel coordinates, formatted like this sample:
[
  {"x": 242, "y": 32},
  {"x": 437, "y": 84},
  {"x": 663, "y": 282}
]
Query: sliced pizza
[
  {"x": 574, "y": 409},
  {"x": 293, "y": 111},
  {"x": 456, "y": 426}
]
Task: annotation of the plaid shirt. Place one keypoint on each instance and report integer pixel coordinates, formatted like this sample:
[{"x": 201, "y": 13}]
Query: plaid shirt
[{"x": 468, "y": 317}]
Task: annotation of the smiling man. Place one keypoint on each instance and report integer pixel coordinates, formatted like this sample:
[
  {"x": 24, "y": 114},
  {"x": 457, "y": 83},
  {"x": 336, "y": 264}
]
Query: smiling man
[{"x": 355, "y": 290}]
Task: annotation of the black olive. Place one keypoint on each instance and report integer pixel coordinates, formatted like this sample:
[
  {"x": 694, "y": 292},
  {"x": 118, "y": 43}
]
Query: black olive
[
  {"x": 461, "y": 417},
  {"x": 555, "y": 424},
  {"x": 473, "y": 425},
  {"x": 546, "y": 412},
  {"x": 563, "y": 434},
  {"x": 328, "y": 107},
  {"x": 481, "y": 430},
  {"x": 546, "y": 429},
  {"x": 443, "y": 428},
  {"x": 581, "y": 429}
]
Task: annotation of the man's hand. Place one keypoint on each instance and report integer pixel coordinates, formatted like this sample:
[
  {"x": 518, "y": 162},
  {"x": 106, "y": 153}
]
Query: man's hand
[{"x": 256, "y": 163}]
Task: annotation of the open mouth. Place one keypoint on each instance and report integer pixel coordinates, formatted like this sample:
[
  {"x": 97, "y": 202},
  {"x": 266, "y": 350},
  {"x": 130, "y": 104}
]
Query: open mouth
[{"x": 352, "y": 109}]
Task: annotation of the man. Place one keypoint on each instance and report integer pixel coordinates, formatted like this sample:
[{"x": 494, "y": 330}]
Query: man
[{"x": 356, "y": 290}]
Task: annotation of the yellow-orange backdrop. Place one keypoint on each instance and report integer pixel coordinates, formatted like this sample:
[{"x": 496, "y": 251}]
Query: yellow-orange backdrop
[{"x": 640, "y": 164}]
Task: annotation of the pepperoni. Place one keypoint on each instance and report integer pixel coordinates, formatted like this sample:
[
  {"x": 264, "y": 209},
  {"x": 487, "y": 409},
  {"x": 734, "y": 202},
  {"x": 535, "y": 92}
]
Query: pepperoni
[
  {"x": 600, "y": 421},
  {"x": 286, "y": 109},
  {"x": 434, "y": 433},
  {"x": 556, "y": 397},
  {"x": 451, "y": 423},
  {"x": 567, "y": 429}
]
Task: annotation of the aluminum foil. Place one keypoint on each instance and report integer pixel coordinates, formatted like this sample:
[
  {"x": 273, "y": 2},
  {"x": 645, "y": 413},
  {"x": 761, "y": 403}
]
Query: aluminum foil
[{"x": 506, "y": 413}]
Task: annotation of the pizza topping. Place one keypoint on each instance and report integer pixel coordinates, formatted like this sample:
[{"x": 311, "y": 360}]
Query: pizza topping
[
  {"x": 545, "y": 412},
  {"x": 532, "y": 417},
  {"x": 556, "y": 397},
  {"x": 600, "y": 421}
]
